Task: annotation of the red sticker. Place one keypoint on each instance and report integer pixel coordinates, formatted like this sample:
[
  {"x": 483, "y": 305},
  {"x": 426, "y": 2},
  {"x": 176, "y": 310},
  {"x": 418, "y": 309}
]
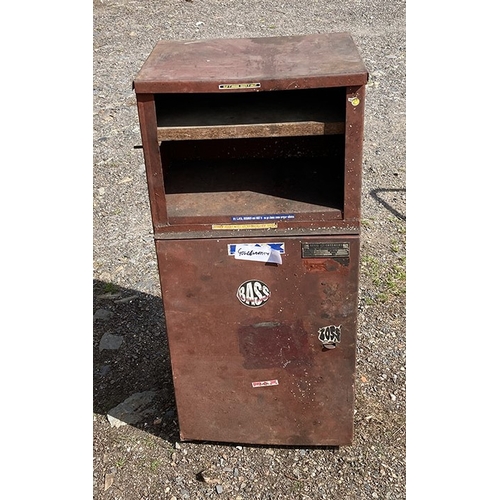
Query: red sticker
[{"x": 265, "y": 383}]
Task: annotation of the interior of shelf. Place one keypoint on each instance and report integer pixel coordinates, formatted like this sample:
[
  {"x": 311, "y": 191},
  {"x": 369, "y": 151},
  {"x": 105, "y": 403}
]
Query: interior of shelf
[
  {"x": 250, "y": 114},
  {"x": 297, "y": 176}
]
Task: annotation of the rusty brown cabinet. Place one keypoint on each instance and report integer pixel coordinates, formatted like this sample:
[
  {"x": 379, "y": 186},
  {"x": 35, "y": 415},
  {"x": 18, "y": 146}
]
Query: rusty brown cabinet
[{"x": 253, "y": 152}]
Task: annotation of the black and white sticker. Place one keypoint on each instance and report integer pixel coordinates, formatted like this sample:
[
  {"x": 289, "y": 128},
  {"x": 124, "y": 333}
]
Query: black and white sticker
[
  {"x": 329, "y": 336},
  {"x": 253, "y": 293}
]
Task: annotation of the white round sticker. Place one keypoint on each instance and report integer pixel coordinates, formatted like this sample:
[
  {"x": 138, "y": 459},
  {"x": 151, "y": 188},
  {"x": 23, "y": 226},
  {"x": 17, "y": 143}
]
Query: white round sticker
[{"x": 253, "y": 293}]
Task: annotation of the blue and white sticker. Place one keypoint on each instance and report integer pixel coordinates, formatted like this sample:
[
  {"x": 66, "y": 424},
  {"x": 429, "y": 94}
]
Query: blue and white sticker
[
  {"x": 244, "y": 218},
  {"x": 257, "y": 252},
  {"x": 253, "y": 293},
  {"x": 279, "y": 247}
]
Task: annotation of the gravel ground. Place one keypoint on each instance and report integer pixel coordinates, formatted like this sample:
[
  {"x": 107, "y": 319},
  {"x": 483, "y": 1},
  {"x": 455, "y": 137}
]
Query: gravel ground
[{"x": 146, "y": 460}]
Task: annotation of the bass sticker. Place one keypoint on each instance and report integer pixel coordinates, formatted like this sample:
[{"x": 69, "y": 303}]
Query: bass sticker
[
  {"x": 329, "y": 336},
  {"x": 253, "y": 293}
]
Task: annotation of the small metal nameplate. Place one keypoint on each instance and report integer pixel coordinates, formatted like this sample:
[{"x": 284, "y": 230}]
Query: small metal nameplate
[
  {"x": 325, "y": 249},
  {"x": 232, "y": 86}
]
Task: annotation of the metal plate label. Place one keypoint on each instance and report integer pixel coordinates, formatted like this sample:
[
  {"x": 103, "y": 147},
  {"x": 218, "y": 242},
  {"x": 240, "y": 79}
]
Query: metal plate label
[
  {"x": 232, "y": 86},
  {"x": 325, "y": 250}
]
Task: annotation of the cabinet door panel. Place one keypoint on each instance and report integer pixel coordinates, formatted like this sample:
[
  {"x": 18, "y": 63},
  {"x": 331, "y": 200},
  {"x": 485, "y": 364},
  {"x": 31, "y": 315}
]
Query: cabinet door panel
[{"x": 262, "y": 353}]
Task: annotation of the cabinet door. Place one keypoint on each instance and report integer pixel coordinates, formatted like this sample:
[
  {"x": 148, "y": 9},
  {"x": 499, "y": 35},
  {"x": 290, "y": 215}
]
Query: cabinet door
[{"x": 262, "y": 353}]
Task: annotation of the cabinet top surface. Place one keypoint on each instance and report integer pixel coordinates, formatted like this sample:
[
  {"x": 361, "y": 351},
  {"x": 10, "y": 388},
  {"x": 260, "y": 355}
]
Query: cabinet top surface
[{"x": 250, "y": 64}]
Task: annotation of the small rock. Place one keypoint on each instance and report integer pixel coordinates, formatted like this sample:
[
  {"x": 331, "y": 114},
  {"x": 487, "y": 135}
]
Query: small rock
[
  {"x": 132, "y": 410},
  {"x": 207, "y": 477},
  {"x": 108, "y": 481},
  {"x": 109, "y": 295},
  {"x": 103, "y": 314},
  {"x": 110, "y": 341},
  {"x": 104, "y": 370},
  {"x": 219, "y": 489},
  {"x": 169, "y": 414},
  {"x": 124, "y": 300}
]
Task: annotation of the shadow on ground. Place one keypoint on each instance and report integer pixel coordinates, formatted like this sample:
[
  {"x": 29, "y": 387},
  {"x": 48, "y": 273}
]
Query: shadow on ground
[
  {"x": 382, "y": 196},
  {"x": 130, "y": 356}
]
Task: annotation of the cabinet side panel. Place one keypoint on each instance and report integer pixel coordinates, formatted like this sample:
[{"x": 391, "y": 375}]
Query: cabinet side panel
[
  {"x": 147, "y": 120},
  {"x": 355, "y": 105}
]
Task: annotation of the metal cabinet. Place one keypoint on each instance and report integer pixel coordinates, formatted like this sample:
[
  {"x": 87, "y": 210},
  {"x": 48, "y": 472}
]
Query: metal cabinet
[{"x": 253, "y": 152}]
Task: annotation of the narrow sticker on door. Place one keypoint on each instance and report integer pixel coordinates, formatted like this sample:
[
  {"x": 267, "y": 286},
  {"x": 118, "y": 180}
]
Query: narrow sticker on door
[
  {"x": 246, "y": 218},
  {"x": 329, "y": 336},
  {"x": 253, "y": 293},
  {"x": 265, "y": 383},
  {"x": 232, "y": 227}
]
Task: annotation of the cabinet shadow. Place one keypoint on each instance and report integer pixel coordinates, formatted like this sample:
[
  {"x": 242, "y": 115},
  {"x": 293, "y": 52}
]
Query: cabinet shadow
[
  {"x": 130, "y": 356},
  {"x": 382, "y": 196}
]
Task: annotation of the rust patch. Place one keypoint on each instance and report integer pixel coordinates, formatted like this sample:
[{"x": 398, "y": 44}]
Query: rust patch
[
  {"x": 321, "y": 265},
  {"x": 274, "y": 345}
]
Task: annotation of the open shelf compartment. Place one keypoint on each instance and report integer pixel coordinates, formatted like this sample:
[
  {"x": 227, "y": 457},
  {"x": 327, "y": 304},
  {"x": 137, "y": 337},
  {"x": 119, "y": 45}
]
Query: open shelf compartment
[
  {"x": 250, "y": 114},
  {"x": 299, "y": 178}
]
